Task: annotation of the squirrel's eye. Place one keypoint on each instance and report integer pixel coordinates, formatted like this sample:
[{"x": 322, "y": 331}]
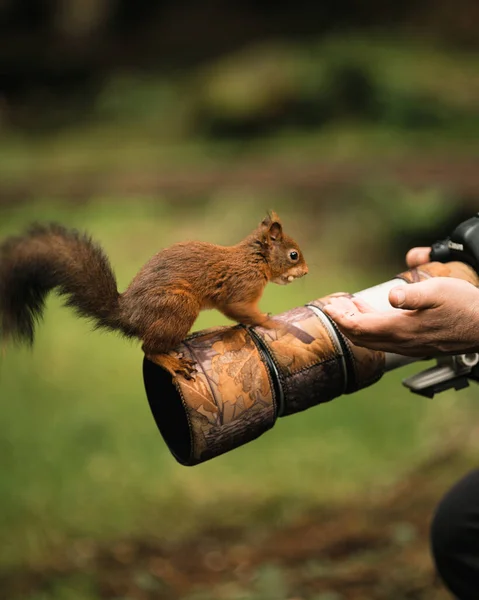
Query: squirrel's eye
[{"x": 293, "y": 255}]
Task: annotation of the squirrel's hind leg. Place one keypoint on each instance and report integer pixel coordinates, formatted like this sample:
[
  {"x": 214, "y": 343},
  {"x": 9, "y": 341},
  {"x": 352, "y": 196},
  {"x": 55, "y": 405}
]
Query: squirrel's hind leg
[
  {"x": 165, "y": 334},
  {"x": 175, "y": 365}
]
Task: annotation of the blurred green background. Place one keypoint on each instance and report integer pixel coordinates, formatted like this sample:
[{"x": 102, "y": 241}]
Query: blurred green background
[{"x": 151, "y": 122}]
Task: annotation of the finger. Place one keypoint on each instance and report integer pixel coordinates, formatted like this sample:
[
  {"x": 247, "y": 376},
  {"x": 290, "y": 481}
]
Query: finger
[
  {"x": 342, "y": 303},
  {"x": 379, "y": 335},
  {"x": 362, "y": 305},
  {"x": 369, "y": 326},
  {"x": 418, "y": 256},
  {"x": 340, "y": 306},
  {"x": 416, "y": 295}
]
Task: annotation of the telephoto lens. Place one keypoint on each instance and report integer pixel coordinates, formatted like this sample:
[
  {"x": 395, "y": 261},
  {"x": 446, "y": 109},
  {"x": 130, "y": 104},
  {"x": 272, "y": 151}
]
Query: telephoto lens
[{"x": 247, "y": 377}]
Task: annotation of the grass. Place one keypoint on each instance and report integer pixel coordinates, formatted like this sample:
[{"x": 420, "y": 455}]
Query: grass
[
  {"x": 80, "y": 455},
  {"x": 99, "y": 150}
]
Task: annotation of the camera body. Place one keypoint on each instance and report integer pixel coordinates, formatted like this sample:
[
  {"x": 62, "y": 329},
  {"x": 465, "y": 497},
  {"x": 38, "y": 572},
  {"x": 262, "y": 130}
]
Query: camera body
[{"x": 461, "y": 245}]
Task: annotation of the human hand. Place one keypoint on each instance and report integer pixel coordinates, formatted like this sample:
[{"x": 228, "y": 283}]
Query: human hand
[{"x": 436, "y": 316}]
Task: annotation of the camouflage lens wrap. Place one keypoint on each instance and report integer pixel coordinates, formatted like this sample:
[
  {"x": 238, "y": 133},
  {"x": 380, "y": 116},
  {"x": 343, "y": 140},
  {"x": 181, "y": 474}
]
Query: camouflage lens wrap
[
  {"x": 308, "y": 358},
  {"x": 248, "y": 377},
  {"x": 231, "y": 401}
]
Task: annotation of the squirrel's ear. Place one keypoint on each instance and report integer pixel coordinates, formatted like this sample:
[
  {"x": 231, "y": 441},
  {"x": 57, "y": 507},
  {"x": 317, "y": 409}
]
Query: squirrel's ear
[
  {"x": 274, "y": 216},
  {"x": 272, "y": 227}
]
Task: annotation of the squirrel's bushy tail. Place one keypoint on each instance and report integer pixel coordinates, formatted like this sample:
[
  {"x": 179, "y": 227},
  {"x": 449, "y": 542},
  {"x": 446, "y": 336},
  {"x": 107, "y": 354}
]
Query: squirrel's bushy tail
[{"x": 48, "y": 257}]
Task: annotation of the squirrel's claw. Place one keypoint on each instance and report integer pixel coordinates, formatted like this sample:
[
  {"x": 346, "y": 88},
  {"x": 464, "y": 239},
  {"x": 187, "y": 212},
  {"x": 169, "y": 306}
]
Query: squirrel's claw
[{"x": 186, "y": 367}]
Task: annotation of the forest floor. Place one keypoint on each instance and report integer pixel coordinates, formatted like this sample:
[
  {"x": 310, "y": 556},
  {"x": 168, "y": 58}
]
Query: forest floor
[{"x": 375, "y": 549}]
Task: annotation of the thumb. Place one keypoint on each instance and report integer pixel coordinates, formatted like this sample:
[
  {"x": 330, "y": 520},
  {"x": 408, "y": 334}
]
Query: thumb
[
  {"x": 413, "y": 296},
  {"x": 418, "y": 256}
]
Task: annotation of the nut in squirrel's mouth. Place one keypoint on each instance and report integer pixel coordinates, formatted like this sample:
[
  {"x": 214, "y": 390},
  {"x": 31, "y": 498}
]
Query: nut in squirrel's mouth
[
  {"x": 287, "y": 278},
  {"x": 282, "y": 280}
]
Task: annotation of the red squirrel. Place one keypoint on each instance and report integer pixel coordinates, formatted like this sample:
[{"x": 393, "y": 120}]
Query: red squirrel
[{"x": 164, "y": 299}]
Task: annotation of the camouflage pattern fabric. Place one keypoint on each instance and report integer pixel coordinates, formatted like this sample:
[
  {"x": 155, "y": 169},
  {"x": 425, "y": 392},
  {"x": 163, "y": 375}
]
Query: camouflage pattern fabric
[
  {"x": 232, "y": 400},
  {"x": 436, "y": 269}
]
